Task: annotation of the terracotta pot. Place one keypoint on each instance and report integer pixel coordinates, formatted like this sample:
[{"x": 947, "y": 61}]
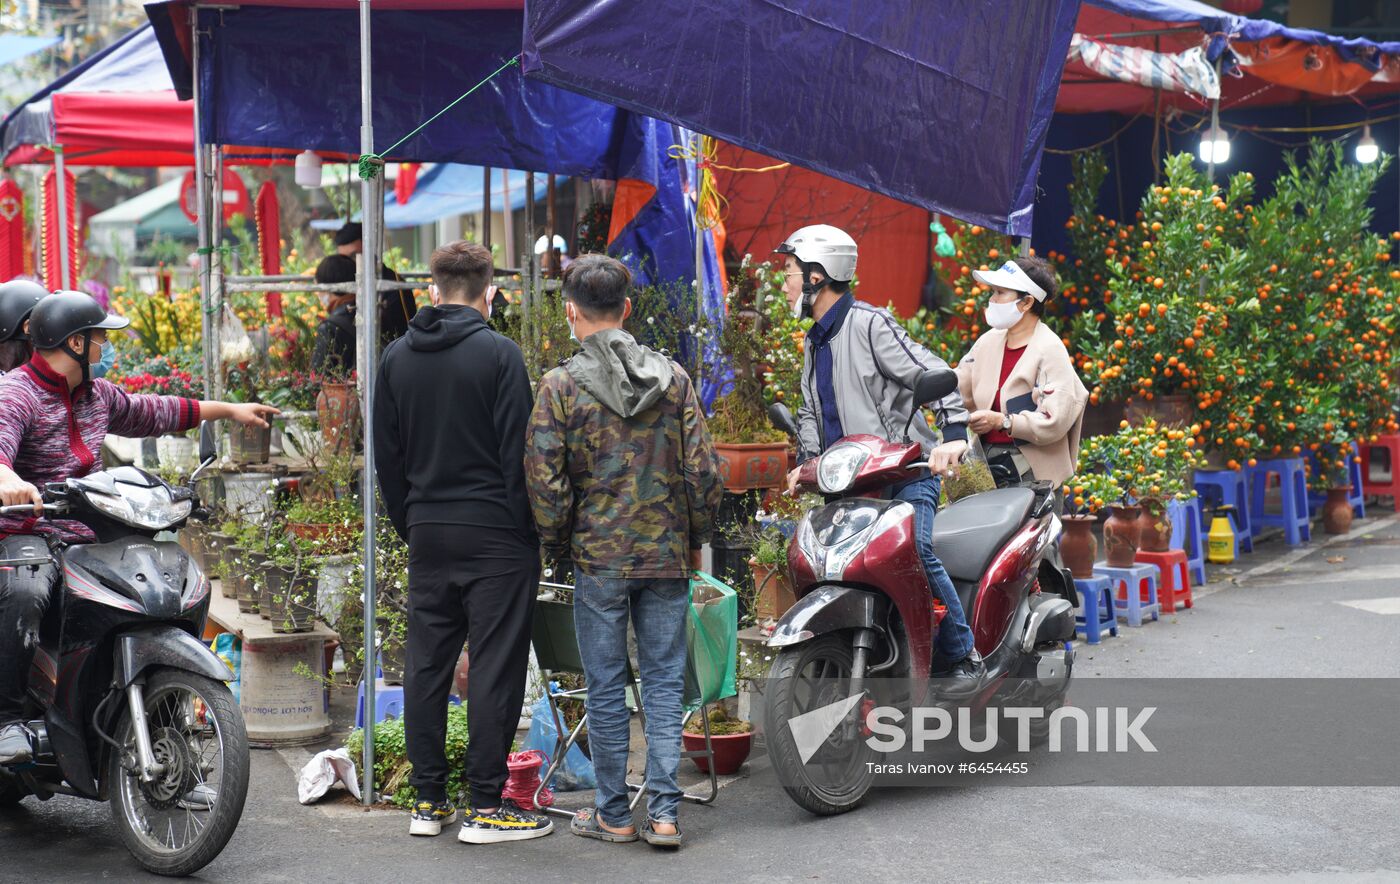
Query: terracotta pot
[
  {"x": 1079, "y": 549},
  {"x": 731, "y": 750},
  {"x": 775, "y": 593},
  {"x": 338, "y": 409},
  {"x": 336, "y": 538},
  {"x": 459, "y": 677},
  {"x": 753, "y": 465},
  {"x": 1120, "y": 536},
  {"x": 1336, "y": 512},
  {"x": 1154, "y": 526},
  {"x": 250, "y": 444},
  {"x": 1176, "y": 410}
]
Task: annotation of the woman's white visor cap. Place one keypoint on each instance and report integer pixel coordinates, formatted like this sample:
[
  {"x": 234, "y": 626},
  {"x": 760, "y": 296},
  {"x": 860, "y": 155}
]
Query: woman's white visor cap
[{"x": 1010, "y": 276}]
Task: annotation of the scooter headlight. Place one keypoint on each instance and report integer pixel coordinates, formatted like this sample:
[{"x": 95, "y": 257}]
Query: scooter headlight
[
  {"x": 139, "y": 507},
  {"x": 837, "y": 468}
]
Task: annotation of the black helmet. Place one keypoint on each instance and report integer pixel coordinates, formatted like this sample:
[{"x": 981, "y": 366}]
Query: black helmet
[
  {"x": 64, "y": 314},
  {"x": 17, "y": 299}
]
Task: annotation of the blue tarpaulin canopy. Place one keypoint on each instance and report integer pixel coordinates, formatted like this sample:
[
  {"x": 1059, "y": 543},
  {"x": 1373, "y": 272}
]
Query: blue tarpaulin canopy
[
  {"x": 944, "y": 105},
  {"x": 444, "y": 191}
]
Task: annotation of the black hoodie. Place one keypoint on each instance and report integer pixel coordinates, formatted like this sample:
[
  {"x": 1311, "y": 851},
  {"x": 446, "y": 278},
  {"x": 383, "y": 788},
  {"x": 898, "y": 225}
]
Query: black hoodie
[{"x": 450, "y": 411}]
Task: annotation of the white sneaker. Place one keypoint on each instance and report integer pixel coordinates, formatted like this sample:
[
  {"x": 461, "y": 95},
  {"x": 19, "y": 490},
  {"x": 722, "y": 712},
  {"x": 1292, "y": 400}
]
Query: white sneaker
[{"x": 429, "y": 818}]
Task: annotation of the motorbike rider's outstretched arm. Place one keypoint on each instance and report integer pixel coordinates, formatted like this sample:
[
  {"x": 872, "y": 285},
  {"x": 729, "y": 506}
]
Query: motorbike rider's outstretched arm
[{"x": 900, "y": 358}]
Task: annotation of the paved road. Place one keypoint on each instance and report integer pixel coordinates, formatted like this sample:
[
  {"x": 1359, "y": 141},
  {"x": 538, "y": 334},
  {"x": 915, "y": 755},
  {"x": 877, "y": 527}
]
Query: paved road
[{"x": 1281, "y": 613}]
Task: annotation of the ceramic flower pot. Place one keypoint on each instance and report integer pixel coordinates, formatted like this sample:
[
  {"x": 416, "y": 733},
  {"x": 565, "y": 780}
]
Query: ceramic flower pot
[
  {"x": 731, "y": 750},
  {"x": 1079, "y": 549},
  {"x": 1337, "y": 512},
  {"x": 1154, "y": 526},
  {"x": 752, "y": 465},
  {"x": 1120, "y": 536},
  {"x": 338, "y": 409},
  {"x": 249, "y": 444},
  {"x": 774, "y": 589}
]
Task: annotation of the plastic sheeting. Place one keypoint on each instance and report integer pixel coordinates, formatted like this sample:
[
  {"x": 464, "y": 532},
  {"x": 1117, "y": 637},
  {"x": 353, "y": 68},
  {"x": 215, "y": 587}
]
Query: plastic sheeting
[{"x": 942, "y": 105}]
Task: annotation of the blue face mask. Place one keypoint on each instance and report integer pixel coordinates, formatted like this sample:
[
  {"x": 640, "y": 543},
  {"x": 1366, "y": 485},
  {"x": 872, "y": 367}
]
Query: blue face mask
[{"x": 104, "y": 365}]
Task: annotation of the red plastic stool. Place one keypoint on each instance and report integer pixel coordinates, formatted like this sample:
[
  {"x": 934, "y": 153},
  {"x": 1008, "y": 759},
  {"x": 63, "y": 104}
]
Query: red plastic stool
[
  {"x": 1390, "y": 487},
  {"x": 1176, "y": 577}
]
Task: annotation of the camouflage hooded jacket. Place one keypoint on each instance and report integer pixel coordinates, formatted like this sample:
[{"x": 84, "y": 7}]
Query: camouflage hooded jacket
[{"x": 620, "y": 468}]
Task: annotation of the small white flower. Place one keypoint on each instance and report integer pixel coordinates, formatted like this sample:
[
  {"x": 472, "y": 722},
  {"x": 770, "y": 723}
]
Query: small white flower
[{"x": 651, "y": 320}]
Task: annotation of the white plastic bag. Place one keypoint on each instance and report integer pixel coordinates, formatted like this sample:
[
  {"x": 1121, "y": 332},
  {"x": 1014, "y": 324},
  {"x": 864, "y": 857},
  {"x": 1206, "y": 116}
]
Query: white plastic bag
[
  {"x": 323, "y": 772},
  {"x": 235, "y": 347}
]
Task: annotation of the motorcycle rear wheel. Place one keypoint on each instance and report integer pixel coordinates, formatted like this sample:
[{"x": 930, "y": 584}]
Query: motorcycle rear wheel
[
  {"x": 837, "y": 778},
  {"x": 179, "y": 823}
]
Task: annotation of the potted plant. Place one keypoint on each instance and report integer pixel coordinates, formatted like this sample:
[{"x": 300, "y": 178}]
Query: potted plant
[
  {"x": 730, "y": 738},
  {"x": 1148, "y": 464},
  {"x": 753, "y": 453},
  {"x": 292, "y": 575},
  {"x": 1086, "y": 496},
  {"x": 773, "y": 593},
  {"x": 295, "y": 430},
  {"x": 248, "y": 443},
  {"x": 1333, "y": 477},
  {"x": 338, "y": 411}
]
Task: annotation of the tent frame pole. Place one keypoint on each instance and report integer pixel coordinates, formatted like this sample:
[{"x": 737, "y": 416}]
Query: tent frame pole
[
  {"x": 201, "y": 184},
  {"x": 372, "y": 212}
]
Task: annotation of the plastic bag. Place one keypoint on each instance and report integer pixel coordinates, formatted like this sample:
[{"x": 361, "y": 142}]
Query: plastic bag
[
  {"x": 325, "y": 770},
  {"x": 577, "y": 771},
  {"x": 229, "y": 648},
  {"x": 711, "y": 641},
  {"x": 235, "y": 347}
]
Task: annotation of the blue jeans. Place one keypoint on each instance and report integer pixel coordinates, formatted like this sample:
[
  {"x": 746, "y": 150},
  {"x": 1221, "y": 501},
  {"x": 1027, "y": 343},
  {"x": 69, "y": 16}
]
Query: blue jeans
[
  {"x": 658, "y": 609},
  {"x": 954, "y": 635}
]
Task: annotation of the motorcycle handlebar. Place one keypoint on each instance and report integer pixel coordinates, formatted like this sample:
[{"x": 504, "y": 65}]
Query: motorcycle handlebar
[{"x": 27, "y": 509}]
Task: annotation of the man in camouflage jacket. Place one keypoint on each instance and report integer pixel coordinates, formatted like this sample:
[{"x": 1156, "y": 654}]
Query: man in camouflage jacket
[{"x": 623, "y": 479}]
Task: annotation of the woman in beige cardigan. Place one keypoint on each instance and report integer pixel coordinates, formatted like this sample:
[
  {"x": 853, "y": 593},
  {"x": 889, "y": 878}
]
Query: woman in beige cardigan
[{"x": 1026, "y": 399}]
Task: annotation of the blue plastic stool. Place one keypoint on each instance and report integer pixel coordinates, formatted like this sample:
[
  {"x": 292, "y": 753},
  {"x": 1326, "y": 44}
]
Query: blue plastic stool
[
  {"x": 388, "y": 702},
  {"x": 1355, "y": 496},
  {"x": 1229, "y": 488},
  {"x": 1293, "y": 490},
  {"x": 1188, "y": 533},
  {"x": 1096, "y": 603},
  {"x": 1133, "y": 581}
]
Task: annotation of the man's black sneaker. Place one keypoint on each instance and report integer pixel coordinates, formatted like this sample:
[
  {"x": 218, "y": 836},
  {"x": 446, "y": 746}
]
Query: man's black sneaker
[
  {"x": 965, "y": 678},
  {"x": 16, "y": 743},
  {"x": 429, "y": 817},
  {"x": 508, "y": 823}
]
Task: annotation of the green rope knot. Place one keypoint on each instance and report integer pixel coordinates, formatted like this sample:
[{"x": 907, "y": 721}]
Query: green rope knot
[{"x": 370, "y": 163}]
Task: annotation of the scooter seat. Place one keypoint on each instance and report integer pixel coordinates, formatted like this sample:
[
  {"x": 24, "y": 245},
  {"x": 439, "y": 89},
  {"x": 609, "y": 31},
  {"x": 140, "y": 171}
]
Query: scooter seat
[{"x": 969, "y": 533}]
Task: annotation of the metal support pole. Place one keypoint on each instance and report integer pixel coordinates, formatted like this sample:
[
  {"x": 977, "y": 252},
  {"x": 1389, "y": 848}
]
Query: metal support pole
[
  {"x": 367, "y": 316},
  {"x": 65, "y": 272},
  {"x": 215, "y": 169},
  {"x": 532, "y": 262},
  {"x": 1214, "y": 131},
  {"x": 510, "y": 256},
  {"x": 550, "y": 223},
  {"x": 201, "y": 184},
  {"x": 486, "y": 207}
]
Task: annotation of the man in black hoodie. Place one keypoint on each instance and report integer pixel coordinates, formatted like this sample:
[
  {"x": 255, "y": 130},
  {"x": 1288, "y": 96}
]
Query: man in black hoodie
[{"x": 450, "y": 412}]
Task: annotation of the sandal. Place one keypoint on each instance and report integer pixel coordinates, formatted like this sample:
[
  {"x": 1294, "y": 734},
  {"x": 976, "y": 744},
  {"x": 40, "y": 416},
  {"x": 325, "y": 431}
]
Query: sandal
[
  {"x": 585, "y": 824},
  {"x": 656, "y": 839}
]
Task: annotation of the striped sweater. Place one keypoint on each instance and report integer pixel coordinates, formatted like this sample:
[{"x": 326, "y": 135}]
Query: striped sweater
[{"x": 48, "y": 434}]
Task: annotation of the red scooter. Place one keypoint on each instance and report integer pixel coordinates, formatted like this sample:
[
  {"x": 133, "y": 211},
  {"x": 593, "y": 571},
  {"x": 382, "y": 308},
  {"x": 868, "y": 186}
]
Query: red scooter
[{"x": 865, "y": 608}]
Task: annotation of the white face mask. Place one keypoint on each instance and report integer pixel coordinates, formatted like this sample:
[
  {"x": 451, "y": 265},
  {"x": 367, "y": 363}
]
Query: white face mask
[{"x": 1003, "y": 315}]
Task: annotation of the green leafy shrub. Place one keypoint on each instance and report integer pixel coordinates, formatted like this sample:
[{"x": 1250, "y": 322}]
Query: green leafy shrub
[{"x": 392, "y": 767}]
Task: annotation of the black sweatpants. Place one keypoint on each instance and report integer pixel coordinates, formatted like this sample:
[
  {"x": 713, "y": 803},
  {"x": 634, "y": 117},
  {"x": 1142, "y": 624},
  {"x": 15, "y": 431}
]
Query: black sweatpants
[
  {"x": 26, "y": 592},
  {"x": 461, "y": 578}
]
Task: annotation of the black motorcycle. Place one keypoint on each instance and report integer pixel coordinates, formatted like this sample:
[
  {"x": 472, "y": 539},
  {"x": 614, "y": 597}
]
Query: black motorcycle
[{"x": 127, "y": 704}]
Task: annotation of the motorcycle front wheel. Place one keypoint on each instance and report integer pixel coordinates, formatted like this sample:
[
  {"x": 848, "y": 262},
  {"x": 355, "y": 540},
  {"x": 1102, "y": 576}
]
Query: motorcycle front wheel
[
  {"x": 180, "y": 821},
  {"x": 835, "y": 776}
]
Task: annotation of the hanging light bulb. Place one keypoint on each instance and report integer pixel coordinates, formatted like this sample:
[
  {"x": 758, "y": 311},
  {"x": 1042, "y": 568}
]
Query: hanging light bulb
[
  {"x": 1367, "y": 151},
  {"x": 1215, "y": 147},
  {"x": 308, "y": 169}
]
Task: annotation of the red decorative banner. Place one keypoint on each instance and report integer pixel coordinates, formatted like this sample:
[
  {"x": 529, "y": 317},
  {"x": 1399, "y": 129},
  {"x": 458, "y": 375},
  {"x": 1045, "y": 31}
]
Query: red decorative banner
[
  {"x": 53, "y": 275},
  {"x": 11, "y": 230},
  {"x": 267, "y": 212}
]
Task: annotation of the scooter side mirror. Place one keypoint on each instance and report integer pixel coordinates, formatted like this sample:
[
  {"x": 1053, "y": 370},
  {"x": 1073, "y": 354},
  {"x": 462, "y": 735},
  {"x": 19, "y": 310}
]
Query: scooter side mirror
[
  {"x": 208, "y": 443},
  {"x": 934, "y": 384},
  {"x": 781, "y": 417}
]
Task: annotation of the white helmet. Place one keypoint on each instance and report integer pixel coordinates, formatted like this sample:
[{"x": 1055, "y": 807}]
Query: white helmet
[{"x": 829, "y": 247}]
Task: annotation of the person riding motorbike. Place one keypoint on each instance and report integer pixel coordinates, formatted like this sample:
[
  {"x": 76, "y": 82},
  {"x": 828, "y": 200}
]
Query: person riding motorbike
[
  {"x": 17, "y": 300},
  {"x": 858, "y": 372},
  {"x": 53, "y": 418}
]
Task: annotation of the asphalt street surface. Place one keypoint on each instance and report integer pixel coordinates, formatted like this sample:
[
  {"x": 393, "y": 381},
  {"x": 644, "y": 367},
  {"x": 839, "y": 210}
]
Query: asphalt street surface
[{"x": 1331, "y": 609}]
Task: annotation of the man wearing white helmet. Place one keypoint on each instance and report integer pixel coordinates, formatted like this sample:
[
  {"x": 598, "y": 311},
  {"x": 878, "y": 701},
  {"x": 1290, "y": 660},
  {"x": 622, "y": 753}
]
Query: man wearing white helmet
[{"x": 858, "y": 373}]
